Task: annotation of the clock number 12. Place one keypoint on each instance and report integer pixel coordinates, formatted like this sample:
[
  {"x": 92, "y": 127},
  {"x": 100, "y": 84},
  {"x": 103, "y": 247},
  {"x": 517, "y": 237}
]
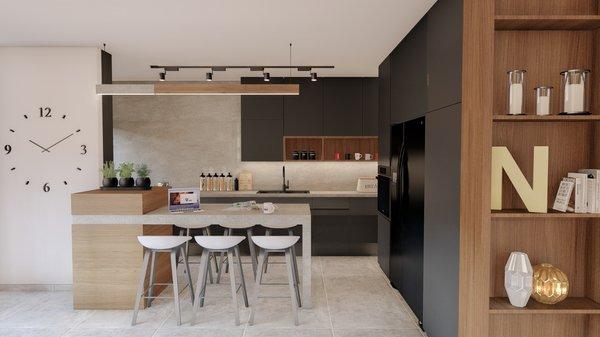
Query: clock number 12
[{"x": 45, "y": 112}]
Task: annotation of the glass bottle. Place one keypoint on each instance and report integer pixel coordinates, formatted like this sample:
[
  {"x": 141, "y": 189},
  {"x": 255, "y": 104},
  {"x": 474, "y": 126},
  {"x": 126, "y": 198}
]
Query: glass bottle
[
  {"x": 209, "y": 182},
  {"x": 575, "y": 91},
  {"x": 229, "y": 182},
  {"x": 222, "y": 186},
  {"x": 516, "y": 80},
  {"x": 202, "y": 182},
  {"x": 542, "y": 100},
  {"x": 215, "y": 182}
]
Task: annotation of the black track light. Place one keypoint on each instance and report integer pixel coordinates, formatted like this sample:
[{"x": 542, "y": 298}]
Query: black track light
[
  {"x": 266, "y": 77},
  {"x": 209, "y": 76},
  {"x": 313, "y": 76},
  {"x": 162, "y": 76}
]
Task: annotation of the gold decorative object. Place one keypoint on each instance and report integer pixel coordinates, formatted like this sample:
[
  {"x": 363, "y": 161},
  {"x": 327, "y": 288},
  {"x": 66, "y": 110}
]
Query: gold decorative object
[{"x": 550, "y": 284}]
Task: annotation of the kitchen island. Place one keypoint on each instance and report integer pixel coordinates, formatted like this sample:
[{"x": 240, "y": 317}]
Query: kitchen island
[{"x": 99, "y": 237}]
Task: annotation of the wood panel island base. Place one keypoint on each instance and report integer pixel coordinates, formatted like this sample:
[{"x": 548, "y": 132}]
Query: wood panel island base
[{"x": 107, "y": 256}]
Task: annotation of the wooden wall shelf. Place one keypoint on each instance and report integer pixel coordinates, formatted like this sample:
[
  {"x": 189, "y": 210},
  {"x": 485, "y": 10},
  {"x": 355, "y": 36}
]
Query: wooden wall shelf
[
  {"x": 326, "y": 147},
  {"x": 546, "y": 22},
  {"x": 552, "y": 214},
  {"x": 570, "y": 306},
  {"x": 551, "y": 118}
]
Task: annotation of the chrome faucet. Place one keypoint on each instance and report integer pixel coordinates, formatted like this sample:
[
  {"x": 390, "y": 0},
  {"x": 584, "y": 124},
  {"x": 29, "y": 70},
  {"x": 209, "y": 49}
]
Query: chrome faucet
[{"x": 285, "y": 186}]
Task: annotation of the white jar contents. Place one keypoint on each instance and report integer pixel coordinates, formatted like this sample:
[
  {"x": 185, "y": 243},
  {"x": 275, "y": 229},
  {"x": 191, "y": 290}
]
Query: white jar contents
[
  {"x": 543, "y": 106},
  {"x": 574, "y": 98},
  {"x": 515, "y": 99}
]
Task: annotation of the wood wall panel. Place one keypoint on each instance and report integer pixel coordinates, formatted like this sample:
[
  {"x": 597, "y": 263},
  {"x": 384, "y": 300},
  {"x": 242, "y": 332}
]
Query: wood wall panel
[
  {"x": 570, "y": 149},
  {"x": 544, "y": 54},
  {"x": 538, "y": 326},
  {"x": 548, "y": 7},
  {"x": 593, "y": 261},
  {"x": 557, "y": 241}
]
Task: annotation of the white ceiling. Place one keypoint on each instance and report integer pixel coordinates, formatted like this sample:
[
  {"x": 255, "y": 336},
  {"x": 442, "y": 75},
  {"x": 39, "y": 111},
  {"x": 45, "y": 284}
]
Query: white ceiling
[{"x": 352, "y": 35}]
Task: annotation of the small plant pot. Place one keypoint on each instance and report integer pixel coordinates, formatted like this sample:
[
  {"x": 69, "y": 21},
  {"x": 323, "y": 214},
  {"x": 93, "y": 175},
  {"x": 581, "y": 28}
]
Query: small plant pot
[
  {"x": 142, "y": 182},
  {"x": 125, "y": 182},
  {"x": 110, "y": 182}
]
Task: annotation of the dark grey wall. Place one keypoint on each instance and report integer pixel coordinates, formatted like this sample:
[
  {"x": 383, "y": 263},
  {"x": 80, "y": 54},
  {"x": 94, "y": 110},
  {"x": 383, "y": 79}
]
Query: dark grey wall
[
  {"x": 442, "y": 222},
  {"x": 107, "y": 109}
]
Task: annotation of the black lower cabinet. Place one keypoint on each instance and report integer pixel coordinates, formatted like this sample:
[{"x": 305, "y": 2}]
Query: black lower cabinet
[{"x": 383, "y": 244}]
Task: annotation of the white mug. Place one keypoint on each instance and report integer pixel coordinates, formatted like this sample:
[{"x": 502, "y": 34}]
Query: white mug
[
  {"x": 368, "y": 156},
  {"x": 357, "y": 156},
  {"x": 268, "y": 207}
]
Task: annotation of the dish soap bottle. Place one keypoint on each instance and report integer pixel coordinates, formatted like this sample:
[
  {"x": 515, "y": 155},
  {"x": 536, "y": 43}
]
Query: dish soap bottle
[
  {"x": 215, "y": 182},
  {"x": 209, "y": 182},
  {"x": 229, "y": 182},
  {"x": 222, "y": 186},
  {"x": 202, "y": 182}
]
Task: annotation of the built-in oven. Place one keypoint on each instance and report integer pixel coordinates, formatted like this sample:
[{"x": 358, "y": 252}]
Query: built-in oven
[{"x": 383, "y": 190}]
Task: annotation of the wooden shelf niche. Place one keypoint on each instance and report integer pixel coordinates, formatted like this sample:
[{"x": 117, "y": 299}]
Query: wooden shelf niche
[{"x": 326, "y": 147}]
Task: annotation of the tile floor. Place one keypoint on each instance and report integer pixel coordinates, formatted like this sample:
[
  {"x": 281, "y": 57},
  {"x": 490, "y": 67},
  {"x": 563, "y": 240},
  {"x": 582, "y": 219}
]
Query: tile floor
[{"x": 352, "y": 298}]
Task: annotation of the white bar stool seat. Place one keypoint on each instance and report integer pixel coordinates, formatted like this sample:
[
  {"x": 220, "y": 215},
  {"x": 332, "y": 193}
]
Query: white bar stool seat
[
  {"x": 224, "y": 244},
  {"x": 284, "y": 244},
  {"x": 155, "y": 244}
]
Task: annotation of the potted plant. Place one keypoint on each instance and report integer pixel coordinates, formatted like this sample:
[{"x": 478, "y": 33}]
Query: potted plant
[
  {"x": 142, "y": 179},
  {"x": 125, "y": 174},
  {"x": 109, "y": 175}
]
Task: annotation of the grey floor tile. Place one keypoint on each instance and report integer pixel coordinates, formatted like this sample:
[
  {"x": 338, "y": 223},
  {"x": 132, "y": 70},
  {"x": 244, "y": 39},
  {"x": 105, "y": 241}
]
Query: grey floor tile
[
  {"x": 191, "y": 332},
  {"x": 261, "y": 332},
  {"x": 110, "y": 332},
  {"x": 31, "y": 332},
  {"x": 377, "y": 333}
]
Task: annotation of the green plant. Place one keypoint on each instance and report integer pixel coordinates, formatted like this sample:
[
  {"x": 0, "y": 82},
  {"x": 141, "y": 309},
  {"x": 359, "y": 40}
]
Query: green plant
[
  {"x": 126, "y": 170},
  {"x": 142, "y": 171},
  {"x": 108, "y": 170}
]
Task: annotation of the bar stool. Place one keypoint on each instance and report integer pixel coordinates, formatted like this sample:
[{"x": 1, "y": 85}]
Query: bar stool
[
  {"x": 270, "y": 244},
  {"x": 290, "y": 231},
  {"x": 185, "y": 231},
  {"x": 153, "y": 245},
  {"x": 222, "y": 244},
  {"x": 229, "y": 231}
]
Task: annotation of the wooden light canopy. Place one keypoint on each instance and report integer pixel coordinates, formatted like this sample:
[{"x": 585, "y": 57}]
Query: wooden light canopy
[{"x": 199, "y": 89}]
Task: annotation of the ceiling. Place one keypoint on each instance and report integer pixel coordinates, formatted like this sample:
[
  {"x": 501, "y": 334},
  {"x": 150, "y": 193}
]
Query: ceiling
[{"x": 352, "y": 35}]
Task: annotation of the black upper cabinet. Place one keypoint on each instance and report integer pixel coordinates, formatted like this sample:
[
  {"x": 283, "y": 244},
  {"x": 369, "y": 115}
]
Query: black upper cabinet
[
  {"x": 303, "y": 114},
  {"x": 370, "y": 106},
  {"x": 342, "y": 108},
  {"x": 262, "y": 140},
  {"x": 444, "y": 54},
  {"x": 384, "y": 112},
  {"x": 261, "y": 107},
  {"x": 409, "y": 75}
]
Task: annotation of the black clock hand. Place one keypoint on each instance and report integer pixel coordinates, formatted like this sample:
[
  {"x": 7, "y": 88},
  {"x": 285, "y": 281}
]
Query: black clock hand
[
  {"x": 43, "y": 148},
  {"x": 49, "y": 147}
]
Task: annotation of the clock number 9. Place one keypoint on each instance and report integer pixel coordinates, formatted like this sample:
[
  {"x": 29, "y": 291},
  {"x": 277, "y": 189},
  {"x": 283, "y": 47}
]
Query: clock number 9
[
  {"x": 8, "y": 149},
  {"x": 46, "y": 187},
  {"x": 83, "y": 149},
  {"x": 45, "y": 112}
]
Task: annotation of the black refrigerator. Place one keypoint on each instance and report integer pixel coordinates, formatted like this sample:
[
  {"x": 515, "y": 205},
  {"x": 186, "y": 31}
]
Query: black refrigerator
[{"x": 407, "y": 211}]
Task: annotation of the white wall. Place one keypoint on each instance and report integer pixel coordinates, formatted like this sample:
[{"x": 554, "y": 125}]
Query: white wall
[{"x": 35, "y": 226}]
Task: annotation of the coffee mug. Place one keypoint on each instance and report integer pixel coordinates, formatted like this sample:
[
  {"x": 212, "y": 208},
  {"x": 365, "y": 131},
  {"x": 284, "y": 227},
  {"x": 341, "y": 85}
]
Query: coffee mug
[
  {"x": 304, "y": 155},
  {"x": 312, "y": 155},
  {"x": 337, "y": 156},
  {"x": 268, "y": 207},
  {"x": 368, "y": 156},
  {"x": 357, "y": 156},
  {"x": 348, "y": 156}
]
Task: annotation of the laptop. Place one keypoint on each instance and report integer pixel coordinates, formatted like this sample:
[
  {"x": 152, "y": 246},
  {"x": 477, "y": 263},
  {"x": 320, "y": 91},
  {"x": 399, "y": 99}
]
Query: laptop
[{"x": 184, "y": 200}]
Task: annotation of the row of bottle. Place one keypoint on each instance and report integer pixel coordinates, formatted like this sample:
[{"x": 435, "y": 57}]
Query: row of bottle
[{"x": 218, "y": 182}]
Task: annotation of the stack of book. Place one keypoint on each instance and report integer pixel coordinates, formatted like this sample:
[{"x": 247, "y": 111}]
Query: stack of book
[{"x": 579, "y": 192}]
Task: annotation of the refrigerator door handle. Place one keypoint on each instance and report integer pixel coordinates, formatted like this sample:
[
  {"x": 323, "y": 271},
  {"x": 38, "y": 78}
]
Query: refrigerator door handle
[{"x": 401, "y": 174}]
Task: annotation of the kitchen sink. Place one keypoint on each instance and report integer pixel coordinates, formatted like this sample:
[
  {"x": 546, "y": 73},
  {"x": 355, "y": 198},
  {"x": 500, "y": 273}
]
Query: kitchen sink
[{"x": 282, "y": 192}]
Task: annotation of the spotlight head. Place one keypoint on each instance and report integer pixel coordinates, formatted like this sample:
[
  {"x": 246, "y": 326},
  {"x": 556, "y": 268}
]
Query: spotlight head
[
  {"x": 266, "y": 77},
  {"x": 162, "y": 76},
  {"x": 313, "y": 76},
  {"x": 209, "y": 76}
]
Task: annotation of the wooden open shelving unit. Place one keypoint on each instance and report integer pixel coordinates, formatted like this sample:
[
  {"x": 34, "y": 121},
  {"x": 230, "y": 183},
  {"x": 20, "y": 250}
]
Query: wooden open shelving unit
[
  {"x": 326, "y": 147},
  {"x": 545, "y": 38}
]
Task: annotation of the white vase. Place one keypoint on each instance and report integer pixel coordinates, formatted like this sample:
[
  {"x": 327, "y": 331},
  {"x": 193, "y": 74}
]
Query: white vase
[{"x": 518, "y": 279}]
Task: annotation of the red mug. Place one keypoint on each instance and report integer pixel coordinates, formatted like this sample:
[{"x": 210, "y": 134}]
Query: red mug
[{"x": 337, "y": 156}]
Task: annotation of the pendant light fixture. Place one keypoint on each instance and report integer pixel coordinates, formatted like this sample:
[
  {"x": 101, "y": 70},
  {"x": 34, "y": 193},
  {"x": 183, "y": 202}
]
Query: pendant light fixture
[
  {"x": 313, "y": 76},
  {"x": 162, "y": 76}
]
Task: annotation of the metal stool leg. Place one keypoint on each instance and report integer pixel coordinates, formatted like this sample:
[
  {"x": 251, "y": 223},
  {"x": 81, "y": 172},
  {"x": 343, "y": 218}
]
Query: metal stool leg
[
  {"x": 140, "y": 290},
  {"x": 296, "y": 274},
  {"x": 252, "y": 248},
  {"x": 214, "y": 256},
  {"x": 260, "y": 270},
  {"x": 175, "y": 285},
  {"x": 152, "y": 278},
  {"x": 188, "y": 274},
  {"x": 205, "y": 231},
  {"x": 293, "y": 286},
  {"x": 267, "y": 233},
  {"x": 201, "y": 284},
  {"x": 233, "y": 286},
  {"x": 222, "y": 263},
  {"x": 241, "y": 270}
]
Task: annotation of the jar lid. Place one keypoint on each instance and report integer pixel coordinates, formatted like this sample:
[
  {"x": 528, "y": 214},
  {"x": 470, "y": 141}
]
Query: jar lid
[
  {"x": 516, "y": 71},
  {"x": 543, "y": 87},
  {"x": 575, "y": 71}
]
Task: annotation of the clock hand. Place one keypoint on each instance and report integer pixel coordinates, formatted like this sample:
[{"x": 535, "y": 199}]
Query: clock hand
[
  {"x": 49, "y": 147},
  {"x": 43, "y": 148}
]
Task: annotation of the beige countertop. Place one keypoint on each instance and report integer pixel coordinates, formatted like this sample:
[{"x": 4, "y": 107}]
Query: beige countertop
[{"x": 312, "y": 194}]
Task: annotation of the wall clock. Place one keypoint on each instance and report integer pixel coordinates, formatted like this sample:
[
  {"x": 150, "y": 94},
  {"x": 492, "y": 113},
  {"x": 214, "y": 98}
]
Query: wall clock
[{"x": 42, "y": 146}]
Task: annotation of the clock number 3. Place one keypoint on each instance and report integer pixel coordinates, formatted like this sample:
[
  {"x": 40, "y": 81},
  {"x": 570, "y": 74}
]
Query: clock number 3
[
  {"x": 7, "y": 149},
  {"x": 46, "y": 187},
  {"x": 83, "y": 149},
  {"x": 45, "y": 112}
]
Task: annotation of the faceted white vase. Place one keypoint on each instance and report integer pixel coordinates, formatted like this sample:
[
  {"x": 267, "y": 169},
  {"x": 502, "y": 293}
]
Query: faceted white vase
[{"x": 518, "y": 279}]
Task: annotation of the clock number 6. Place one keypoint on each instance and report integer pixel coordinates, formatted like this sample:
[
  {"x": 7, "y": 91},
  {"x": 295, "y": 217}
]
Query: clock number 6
[
  {"x": 45, "y": 112},
  {"x": 8, "y": 149},
  {"x": 46, "y": 187},
  {"x": 83, "y": 149}
]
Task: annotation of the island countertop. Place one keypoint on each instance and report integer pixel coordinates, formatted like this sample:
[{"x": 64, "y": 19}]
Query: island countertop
[{"x": 312, "y": 194}]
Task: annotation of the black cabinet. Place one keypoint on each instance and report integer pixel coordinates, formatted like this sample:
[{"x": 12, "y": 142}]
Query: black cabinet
[
  {"x": 262, "y": 140},
  {"x": 384, "y": 112},
  {"x": 383, "y": 244},
  {"x": 409, "y": 76},
  {"x": 303, "y": 114},
  {"x": 342, "y": 108},
  {"x": 444, "y": 54},
  {"x": 261, "y": 107},
  {"x": 370, "y": 106}
]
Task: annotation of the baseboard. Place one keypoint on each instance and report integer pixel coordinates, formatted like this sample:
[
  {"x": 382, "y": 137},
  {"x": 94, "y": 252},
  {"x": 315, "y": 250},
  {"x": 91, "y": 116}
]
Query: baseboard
[{"x": 36, "y": 287}]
